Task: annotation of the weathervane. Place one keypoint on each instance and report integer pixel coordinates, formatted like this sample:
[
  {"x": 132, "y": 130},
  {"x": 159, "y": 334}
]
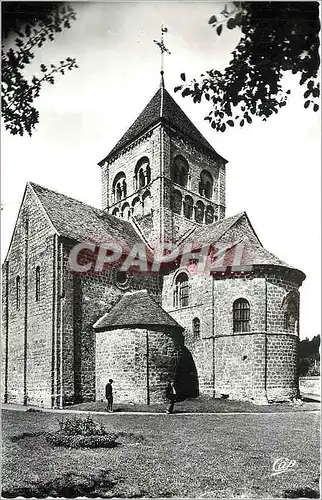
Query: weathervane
[{"x": 162, "y": 47}]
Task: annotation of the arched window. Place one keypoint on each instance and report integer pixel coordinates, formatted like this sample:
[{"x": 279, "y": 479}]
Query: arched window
[
  {"x": 241, "y": 315},
  {"x": 206, "y": 184},
  {"x": 142, "y": 173},
  {"x": 176, "y": 202},
  {"x": 181, "y": 291},
  {"x": 37, "y": 297},
  {"x": 119, "y": 187},
  {"x": 188, "y": 207},
  {"x": 116, "y": 212},
  {"x": 180, "y": 170},
  {"x": 291, "y": 317},
  {"x": 147, "y": 202},
  {"x": 290, "y": 305},
  {"x": 136, "y": 207},
  {"x": 18, "y": 292},
  {"x": 199, "y": 212},
  {"x": 126, "y": 211},
  {"x": 209, "y": 215},
  {"x": 196, "y": 328}
]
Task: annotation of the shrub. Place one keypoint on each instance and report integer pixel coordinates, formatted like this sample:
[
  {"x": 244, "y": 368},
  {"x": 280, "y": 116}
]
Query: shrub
[
  {"x": 78, "y": 441},
  {"x": 78, "y": 432},
  {"x": 84, "y": 426}
]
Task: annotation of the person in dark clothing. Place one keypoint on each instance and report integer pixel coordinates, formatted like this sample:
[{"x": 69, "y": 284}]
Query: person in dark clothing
[
  {"x": 109, "y": 395},
  {"x": 172, "y": 396}
]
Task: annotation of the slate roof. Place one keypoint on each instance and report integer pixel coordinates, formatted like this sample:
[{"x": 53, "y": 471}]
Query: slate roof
[
  {"x": 254, "y": 254},
  {"x": 76, "y": 220},
  {"x": 213, "y": 232},
  {"x": 162, "y": 107},
  {"x": 137, "y": 309}
]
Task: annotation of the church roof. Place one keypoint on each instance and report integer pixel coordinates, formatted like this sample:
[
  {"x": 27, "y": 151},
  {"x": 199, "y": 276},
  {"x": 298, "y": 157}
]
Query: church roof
[
  {"x": 76, "y": 220},
  {"x": 233, "y": 231},
  {"x": 256, "y": 255},
  {"x": 139, "y": 310},
  {"x": 162, "y": 107},
  {"x": 210, "y": 233}
]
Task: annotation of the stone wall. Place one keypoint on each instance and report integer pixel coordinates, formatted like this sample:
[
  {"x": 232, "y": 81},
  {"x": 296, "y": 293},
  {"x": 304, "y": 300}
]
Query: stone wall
[
  {"x": 139, "y": 361},
  {"x": 201, "y": 307},
  {"x": 277, "y": 288},
  {"x": 282, "y": 367},
  {"x": 149, "y": 146},
  {"x": 241, "y": 365},
  {"x": 199, "y": 161},
  {"x": 27, "y": 330},
  {"x": 88, "y": 297},
  {"x": 160, "y": 146}
]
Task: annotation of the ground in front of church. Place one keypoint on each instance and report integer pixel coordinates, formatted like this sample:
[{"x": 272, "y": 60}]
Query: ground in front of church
[{"x": 203, "y": 455}]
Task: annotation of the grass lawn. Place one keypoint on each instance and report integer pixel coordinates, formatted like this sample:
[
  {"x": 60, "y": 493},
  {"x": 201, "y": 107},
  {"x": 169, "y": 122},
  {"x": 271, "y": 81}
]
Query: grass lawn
[
  {"x": 221, "y": 456},
  {"x": 204, "y": 405}
]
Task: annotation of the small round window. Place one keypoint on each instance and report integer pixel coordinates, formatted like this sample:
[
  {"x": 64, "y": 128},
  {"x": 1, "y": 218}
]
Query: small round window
[{"x": 122, "y": 278}]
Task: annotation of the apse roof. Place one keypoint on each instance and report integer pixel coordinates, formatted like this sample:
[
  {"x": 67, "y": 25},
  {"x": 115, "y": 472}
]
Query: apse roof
[
  {"x": 137, "y": 309},
  {"x": 162, "y": 107}
]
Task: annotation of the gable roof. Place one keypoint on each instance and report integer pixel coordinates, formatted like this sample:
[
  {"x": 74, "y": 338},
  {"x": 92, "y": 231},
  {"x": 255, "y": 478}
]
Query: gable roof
[
  {"x": 211, "y": 233},
  {"x": 76, "y": 220},
  {"x": 254, "y": 255},
  {"x": 137, "y": 309},
  {"x": 253, "y": 252},
  {"x": 161, "y": 108}
]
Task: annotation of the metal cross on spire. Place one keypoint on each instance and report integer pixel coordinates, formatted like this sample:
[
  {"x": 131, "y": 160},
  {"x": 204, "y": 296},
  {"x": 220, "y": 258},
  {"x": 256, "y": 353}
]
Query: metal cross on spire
[{"x": 163, "y": 49}]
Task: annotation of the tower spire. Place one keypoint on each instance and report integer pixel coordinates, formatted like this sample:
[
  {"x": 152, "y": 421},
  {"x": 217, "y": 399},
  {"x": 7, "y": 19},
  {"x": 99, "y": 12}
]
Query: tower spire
[{"x": 163, "y": 49}]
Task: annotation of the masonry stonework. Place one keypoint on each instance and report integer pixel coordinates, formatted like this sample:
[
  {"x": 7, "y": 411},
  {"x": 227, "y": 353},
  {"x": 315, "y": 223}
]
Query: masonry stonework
[
  {"x": 140, "y": 361},
  {"x": 51, "y": 353}
]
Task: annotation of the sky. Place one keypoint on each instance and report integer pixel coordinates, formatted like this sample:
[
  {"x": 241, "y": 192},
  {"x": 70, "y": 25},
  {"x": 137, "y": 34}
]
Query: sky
[{"x": 273, "y": 170}]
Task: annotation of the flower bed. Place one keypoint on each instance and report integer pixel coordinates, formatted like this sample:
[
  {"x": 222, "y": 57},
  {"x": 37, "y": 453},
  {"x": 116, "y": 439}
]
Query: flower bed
[{"x": 78, "y": 432}]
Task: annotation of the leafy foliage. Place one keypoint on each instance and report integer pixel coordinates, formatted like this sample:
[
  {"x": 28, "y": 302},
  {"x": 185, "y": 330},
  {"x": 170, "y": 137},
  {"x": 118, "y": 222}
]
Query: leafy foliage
[
  {"x": 276, "y": 37},
  {"x": 81, "y": 426},
  {"x": 309, "y": 363},
  {"x": 77, "y": 432},
  {"x": 18, "y": 94}
]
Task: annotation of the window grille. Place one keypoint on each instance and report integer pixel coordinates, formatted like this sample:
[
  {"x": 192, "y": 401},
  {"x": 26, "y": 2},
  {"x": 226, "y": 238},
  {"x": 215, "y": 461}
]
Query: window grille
[{"x": 241, "y": 314}]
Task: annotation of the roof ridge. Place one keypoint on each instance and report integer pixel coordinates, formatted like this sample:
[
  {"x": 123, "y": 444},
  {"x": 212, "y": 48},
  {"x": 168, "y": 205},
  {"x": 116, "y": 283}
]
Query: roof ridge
[
  {"x": 65, "y": 195},
  {"x": 162, "y": 107},
  {"x": 237, "y": 216},
  {"x": 99, "y": 211}
]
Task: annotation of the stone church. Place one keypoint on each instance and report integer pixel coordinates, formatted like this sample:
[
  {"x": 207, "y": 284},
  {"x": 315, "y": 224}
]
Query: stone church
[{"x": 227, "y": 332}]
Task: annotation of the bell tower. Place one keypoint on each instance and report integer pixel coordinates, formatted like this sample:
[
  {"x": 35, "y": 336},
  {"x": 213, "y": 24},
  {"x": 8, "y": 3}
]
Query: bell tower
[{"x": 163, "y": 176}]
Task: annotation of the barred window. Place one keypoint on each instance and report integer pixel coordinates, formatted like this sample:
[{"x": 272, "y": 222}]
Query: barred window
[
  {"x": 18, "y": 292},
  {"x": 241, "y": 315},
  {"x": 37, "y": 284},
  {"x": 196, "y": 328},
  {"x": 181, "y": 291}
]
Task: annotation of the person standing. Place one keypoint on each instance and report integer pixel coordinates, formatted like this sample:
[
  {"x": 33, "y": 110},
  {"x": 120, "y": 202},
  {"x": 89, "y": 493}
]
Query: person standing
[
  {"x": 172, "y": 396},
  {"x": 109, "y": 395}
]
